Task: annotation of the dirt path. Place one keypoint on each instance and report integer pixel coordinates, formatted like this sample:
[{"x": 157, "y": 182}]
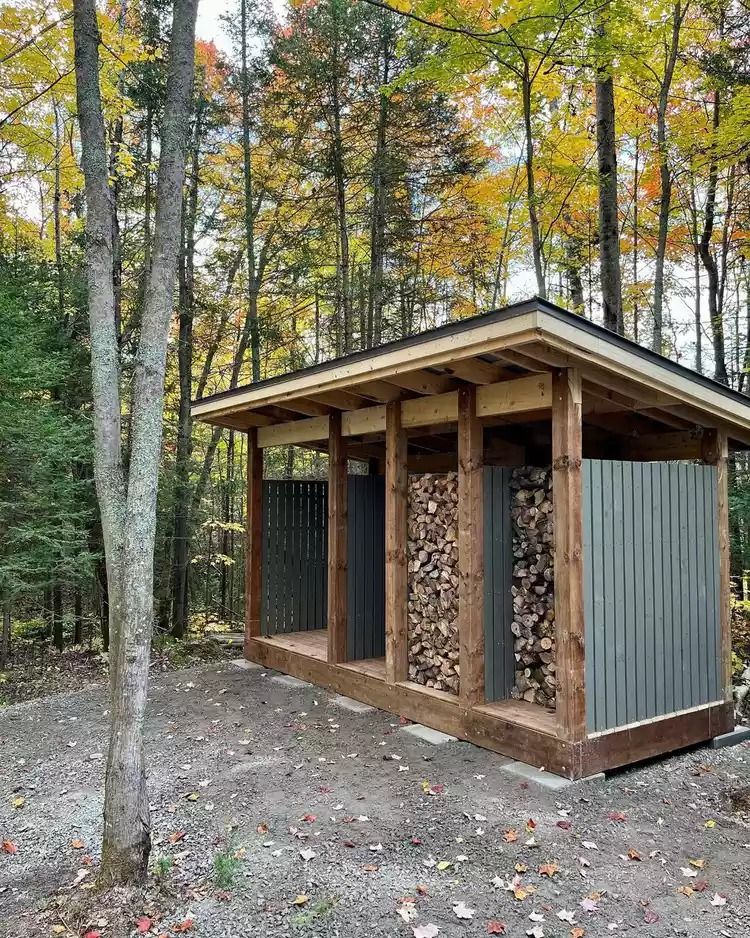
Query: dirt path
[{"x": 242, "y": 764}]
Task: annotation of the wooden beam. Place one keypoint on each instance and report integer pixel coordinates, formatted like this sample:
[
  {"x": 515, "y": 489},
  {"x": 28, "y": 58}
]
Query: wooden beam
[
  {"x": 254, "y": 538},
  {"x": 396, "y": 598},
  {"x": 653, "y": 447},
  {"x": 307, "y": 406},
  {"x": 337, "y": 531},
  {"x": 296, "y": 431},
  {"x": 431, "y": 410},
  {"x": 424, "y": 382},
  {"x": 341, "y": 400},
  {"x": 568, "y": 538},
  {"x": 365, "y": 420},
  {"x": 716, "y": 453},
  {"x": 478, "y": 371},
  {"x": 516, "y": 396},
  {"x": 470, "y": 549},
  {"x": 379, "y": 391}
]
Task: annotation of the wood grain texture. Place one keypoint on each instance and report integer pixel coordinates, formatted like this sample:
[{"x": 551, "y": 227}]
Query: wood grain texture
[
  {"x": 254, "y": 537},
  {"x": 337, "y": 546},
  {"x": 716, "y": 453},
  {"x": 396, "y": 634},
  {"x": 470, "y": 549},
  {"x": 568, "y": 522}
]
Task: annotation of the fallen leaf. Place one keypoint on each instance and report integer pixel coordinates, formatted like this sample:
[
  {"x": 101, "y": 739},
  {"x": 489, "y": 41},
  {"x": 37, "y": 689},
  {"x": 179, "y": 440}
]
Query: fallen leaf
[
  {"x": 444, "y": 865},
  {"x": 686, "y": 890},
  {"x": 510, "y": 836},
  {"x": 718, "y": 899},
  {"x": 301, "y": 899},
  {"x": 143, "y": 924},
  {"x": 530, "y": 825},
  {"x": 307, "y": 855},
  {"x": 650, "y": 917},
  {"x": 90, "y": 934},
  {"x": 548, "y": 869},
  {"x": 564, "y": 825},
  {"x": 617, "y": 816},
  {"x": 425, "y": 931},
  {"x": 262, "y": 828},
  {"x": 565, "y": 915},
  {"x": 9, "y": 847},
  {"x": 536, "y": 917},
  {"x": 634, "y": 855},
  {"x": 536, "y": 932},
  {"x": 710, "y": 824},
  {"x": 461, "y": 910},
  {"x": 176, "y": 837},
  {"x": 495, "y": 928},
  {"x": 698, "y": 864},
  {"x": 183, "y": 926},
  {"x": 19, "y": 802},
  {"x": 407, "y": 912},
  {"x": 192, "y": 796},
  {"x": 77, "y": 844},
  {"x": 520, "y": 868},
  {"x": 700, "y": 885},
  {"x": 589, "y": 845},
  {"x": 588, "y": 904},
  {"x": 370, "y": 868},
  {"x": 577, "y": 933}
]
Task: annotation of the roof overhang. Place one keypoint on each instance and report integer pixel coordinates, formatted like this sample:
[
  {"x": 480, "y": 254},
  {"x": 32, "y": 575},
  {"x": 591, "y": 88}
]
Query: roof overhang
[{"x": 530, "y": 337}]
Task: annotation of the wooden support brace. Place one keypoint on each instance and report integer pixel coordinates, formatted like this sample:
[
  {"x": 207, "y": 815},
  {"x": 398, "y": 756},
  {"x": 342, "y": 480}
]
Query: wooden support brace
[
  {"x": 337, "y": 518},
  {"x": 568, "y": 523},
  {"x": 396, "y": 629},
  {"x": 254, "y": 538},
  {"x": 716, "y": 453},
  {"x": 470, "y": 550}
]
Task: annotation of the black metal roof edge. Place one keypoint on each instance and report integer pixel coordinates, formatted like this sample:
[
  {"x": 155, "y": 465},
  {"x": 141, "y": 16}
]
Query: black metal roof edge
[{"x": 496, "y": 315}]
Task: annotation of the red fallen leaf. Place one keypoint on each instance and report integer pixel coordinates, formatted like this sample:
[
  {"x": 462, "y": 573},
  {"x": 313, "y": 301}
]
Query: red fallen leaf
[
  {"x": 437, "y": 789},
  {"x": 524, "y": 785},
  {"x": 416, "y": 842},
  {"x": 92, "y": 934},
  {"x": 370, "y": 868},
  {"x": 565, "y": 825},
  {"x": 700, "y": 885},
  {"x": 309, "y": 818},
  {"x": 422, "y": 890},
  {"x": 143, "y": 924},
  {"x": 325, "y": 790},
  {"x": 77, "y": 844},
  {"x": 261, "y": 828},
  {"x": 9, "y": 847},
  {"x": 650, "y": 917},
  {"x": 495, "y": 928},
  {"x": 177, "y": 836},
  {"x": 183, "y": 926},
  {"x": 548, "y": 870},
  {"x": 349, "y": 843},
  {"x": 87, "y": 860},
  {"x": 617, "y": 816},
  {"x": 403, "y": 721},
  {"x": 510, "y": 836},
  {"x": 531, "y": 825}
]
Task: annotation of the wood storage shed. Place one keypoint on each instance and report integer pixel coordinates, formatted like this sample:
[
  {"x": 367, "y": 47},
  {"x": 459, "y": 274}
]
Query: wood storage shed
[{"x": 535, "y": 556}]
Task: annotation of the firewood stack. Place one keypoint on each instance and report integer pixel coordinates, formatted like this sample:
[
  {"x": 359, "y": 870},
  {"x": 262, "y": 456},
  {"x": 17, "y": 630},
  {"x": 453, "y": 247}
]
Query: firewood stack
[
  {"x": 432, "y": 556},
  {"x": 533, "y": 586}
]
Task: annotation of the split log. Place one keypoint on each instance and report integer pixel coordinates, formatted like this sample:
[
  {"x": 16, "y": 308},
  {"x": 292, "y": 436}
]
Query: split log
[
  {"x": 432, "y": 557},
  {"x": 533, "y": 586}
]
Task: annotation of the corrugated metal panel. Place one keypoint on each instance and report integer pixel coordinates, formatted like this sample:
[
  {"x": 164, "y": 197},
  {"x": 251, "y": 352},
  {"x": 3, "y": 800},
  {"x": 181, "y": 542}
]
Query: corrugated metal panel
[
  {"x": 498, "y": 571},
  {"x": 295, "y": 551},
  {"x": 365, "y": 567},
  {"x": 651, "y": 601}
]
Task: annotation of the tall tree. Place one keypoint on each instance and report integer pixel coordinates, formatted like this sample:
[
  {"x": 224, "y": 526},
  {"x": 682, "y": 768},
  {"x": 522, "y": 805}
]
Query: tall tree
[{"x": 127, "y": 500}]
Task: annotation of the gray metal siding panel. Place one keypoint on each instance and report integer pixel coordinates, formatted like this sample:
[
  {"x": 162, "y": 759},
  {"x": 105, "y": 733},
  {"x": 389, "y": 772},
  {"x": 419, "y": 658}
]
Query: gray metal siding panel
[
  {"x": 651, "y": 598},
  {"x": 498, "y": 570},
  {"x": 365, "y": 567}
]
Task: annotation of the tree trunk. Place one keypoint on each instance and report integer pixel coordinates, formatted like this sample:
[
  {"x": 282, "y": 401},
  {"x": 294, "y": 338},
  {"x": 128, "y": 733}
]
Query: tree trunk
[
  {"x": 665, "y": 176},
  {"x": 57, "y": 617},
  {"x": 129, "y": 519},
  {"x": 77, "y": 617},
  {"x": 379, "y": 193},
  {"x": 536, "y": 239},
  {"x": 5, "y": 638},
  {"x": 609, "y": 229},
  {"x": 252, "y": 284}
]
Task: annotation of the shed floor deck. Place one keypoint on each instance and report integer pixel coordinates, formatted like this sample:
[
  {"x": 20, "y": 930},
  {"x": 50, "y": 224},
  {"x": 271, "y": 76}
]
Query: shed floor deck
[
  {"x": 524, "y": 714},
  {"x": 314, "y": 643}
]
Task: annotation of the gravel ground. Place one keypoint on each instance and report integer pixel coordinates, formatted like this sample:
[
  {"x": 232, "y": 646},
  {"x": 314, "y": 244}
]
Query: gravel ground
[{"x": 357, "y": 820}]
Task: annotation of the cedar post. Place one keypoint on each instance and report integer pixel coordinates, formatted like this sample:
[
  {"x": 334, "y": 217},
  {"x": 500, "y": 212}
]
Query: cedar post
[
  {"x": 716, "y": 453},
  {"x": 336, "y": 542},
  {"x": 567, "y": 430},
  {"x": 470, "y": 549},
  {"x": 253, "y": 538},
  {"x": 396, "y": 597}
]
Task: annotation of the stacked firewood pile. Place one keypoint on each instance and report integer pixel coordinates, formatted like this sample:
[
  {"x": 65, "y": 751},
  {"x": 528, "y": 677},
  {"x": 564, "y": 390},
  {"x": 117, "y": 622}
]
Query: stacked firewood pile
[
  {"x": 533, "y": 586},
  {"x": 432, "y": 556}
]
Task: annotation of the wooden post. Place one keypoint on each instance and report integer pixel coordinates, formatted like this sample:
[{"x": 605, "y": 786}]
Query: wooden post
[
  {"x": 253, "y": 538},
  {"x": 336, "y": 542},
  {"x": 396, "y": 596},
  {"x": 470, "y": 549},
  {"x": 716, "y": 453},
  {"x": 568, "y": 538}
]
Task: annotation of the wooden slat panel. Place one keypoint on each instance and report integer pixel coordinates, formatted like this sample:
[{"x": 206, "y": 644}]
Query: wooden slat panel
[
  {"x": 254, "y": 538},
  {"x": 652, "y": 586},
  {"x": 470, "y": 549},
  {"x": 396, "y": 635},
  {"x": 337, "y": 530},
  {"x": 568, "y": 540},
  {"x": 498, "y": 569}
]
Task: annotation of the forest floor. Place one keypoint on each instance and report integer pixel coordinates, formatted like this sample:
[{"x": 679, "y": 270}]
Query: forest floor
[{"x": 276, "y": 812}]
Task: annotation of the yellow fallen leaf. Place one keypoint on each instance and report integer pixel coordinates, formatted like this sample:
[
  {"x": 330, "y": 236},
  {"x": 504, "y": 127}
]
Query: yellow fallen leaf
[
  {"x": 685, "y": 890},
  {"x": 301, "y": 899},
  {"x": 521, "y": 868},
  {"x": 577, "y": 933},
  {"x": 698, "y": 864},
  {"x": 444, "y": 865},
  {"x": 58, "y": 929},
  {"x": 710, "y": 824},
  {"x": 19, "y": 802},
  {"x": 193, "y": 796},
  {"x": 520, "y": 893}
]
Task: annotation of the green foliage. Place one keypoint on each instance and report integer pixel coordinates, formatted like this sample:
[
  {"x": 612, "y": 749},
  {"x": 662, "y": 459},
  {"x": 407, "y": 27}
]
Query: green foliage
[
  {"x": 319, "y": 910},
  {"x": 226, "y": 866},
  {"x": 162, "y": 866}
]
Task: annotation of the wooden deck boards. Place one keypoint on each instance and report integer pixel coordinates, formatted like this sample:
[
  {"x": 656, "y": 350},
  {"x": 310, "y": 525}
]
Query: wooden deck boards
[
  {"x": 523, "y": 713},
  {"x": 314, "y": 643}
]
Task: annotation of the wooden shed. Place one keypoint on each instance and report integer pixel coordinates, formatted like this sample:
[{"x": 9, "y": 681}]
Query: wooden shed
[{"x": 523, "y": 538}]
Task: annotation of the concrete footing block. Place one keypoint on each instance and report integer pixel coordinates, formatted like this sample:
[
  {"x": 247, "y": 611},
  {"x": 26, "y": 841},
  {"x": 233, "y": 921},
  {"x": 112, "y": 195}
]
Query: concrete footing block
[
  {"x": 427, "y": 734},
  {"x": 288, "y": 681},
  {"x": 244, "y": 665},
  {"x": 549, "y": 780},
  {"x": 348, "y": 703},
  {"x": 739, "y": 734}
]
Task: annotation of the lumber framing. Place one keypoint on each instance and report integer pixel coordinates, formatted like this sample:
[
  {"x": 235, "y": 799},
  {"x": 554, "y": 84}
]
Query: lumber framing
[
  {"x": 337, "y": 532},
  {"x": 254, "y": 537},
  {"x": 567, "y": 454},
  {"x": 396, "y": 593},
  {"x": 470, "y": 549},
  {"x": 716, "y": 453}
]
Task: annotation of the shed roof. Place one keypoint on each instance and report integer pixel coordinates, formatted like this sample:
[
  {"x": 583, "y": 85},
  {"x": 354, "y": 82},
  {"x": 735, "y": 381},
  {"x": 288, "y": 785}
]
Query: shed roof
[{"x": 526, "y": 338}]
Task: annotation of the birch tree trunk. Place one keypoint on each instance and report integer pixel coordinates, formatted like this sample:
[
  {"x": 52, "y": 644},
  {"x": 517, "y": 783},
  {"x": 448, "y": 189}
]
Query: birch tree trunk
[{"x": 129, "y": 511}]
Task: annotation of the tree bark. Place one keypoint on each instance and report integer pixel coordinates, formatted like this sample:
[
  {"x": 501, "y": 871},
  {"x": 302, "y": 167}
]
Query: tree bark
[
  {"x": 5, "y": 638},
  {"x": 536, "y": 239},
  {"x": 129, "y": 516},
  {"x": 379, "y": 203}
]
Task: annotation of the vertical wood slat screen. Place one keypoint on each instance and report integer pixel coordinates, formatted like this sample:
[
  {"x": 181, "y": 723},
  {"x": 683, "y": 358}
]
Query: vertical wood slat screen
[
  {"x": 498, "y": 570},
  {"x": 295, "y": 555},
  {"x": 651, "y": 603},
  {"x": 365, "y": 567}
]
